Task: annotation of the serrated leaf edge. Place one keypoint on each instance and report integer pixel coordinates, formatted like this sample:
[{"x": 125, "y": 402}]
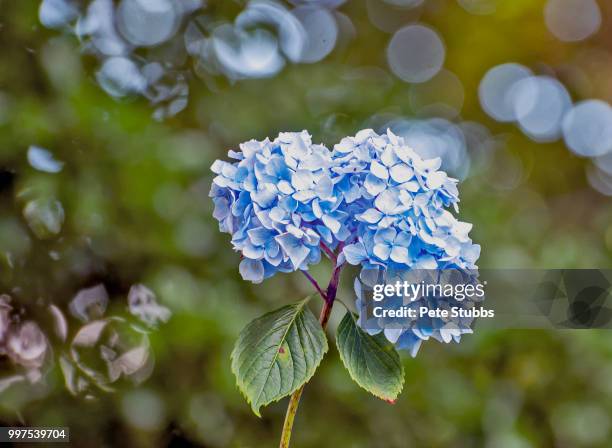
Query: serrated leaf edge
[
  {"x": 301, "y": 305},
  {"x": 344, "y": 362}
]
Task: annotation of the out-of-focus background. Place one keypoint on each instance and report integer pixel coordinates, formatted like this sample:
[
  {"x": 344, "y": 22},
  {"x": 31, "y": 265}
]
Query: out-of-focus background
[{"x": 121, "y": 300}]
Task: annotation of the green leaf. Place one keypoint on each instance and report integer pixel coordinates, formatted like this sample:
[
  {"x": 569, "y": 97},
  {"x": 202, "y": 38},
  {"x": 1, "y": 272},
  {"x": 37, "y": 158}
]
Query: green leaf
[
  {"x": 372, "y": 361},
  {"x": 277, "y": 353}
]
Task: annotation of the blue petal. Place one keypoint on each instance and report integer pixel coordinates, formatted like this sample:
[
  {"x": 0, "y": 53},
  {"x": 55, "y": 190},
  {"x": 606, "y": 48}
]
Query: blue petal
[
  {"x": 374, "y": 185},
  {"x": 264, "y": 197},
  {"x": 461, "y": 230},
  {"x": 316, "y": 208},
  {"x": 409, "y": 341},
  {"x": 331, "y": 223},
  {"x": 426, "y": 166},
  {"x": 298, "y": 148},
  {"x": 235, "y": 155},
  {"x": 311, "y": 237},
  {"x": 324, "y": 187},
  {"x": 302, "y": 180},
  {"x": 259, "y": 236},
  {"x": 250, "y": 148},
  {"x": 285, "y": 187},
  {"x": 393, "y": 334},
  {"x": 277, "y": 214},
  {"x": 382, "y": 251},
  {"x": 406, "y": 154},
  {"x": 363, "y": 135},
  {"x": 325, "y": 233},
  {"x": 221, "y": 208},
  {"x": 399, "y": 254},
  {"x": 253, "y": 252},
  {"x": 264, "y": 218},
  {"x": 293, "y": 248},
  {"x": 304, "y": 195},
  {"x": 371, "y": 216},
  {"x": 401, "y": 173},
  {"x": 388, "y": 157},
  {"x": 217, "y": 166},
  {"x": 238, "y": 207},
  {"x": 346, "y": 145},
  {"x": 385, "y": 236},
  {"x": 403, "y": 239},
  {"x": 272, "y": 248},
  {"x": 387, "y": 202},
  {"x": 471, "y": 252},
  {"x": 295, "y": 231},
  {"x": 452, "y": 247},
  {"x": 252, "y": 270},
  {"x": 412, "y": 186},
  {"x": 228, "y": 170},
  {"x": 288, "y": 203},
  {"x": 355, "y": 253},
  {"x": 343, "y": 233},
  {"x": 387, "y": 221},
  {"x": 274, "y": 256},
  {"x": 426, "y": 262},
  {"x": 379, "y": 170},
  {"x": 436, "y": 179},
  {"x": 352, "y": 194},
  {"x": 405, "y": 198}
]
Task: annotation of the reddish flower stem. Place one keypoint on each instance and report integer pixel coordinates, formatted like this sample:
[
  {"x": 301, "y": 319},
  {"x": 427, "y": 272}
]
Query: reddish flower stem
[
  {"x": 315, "y": 284},
  {"x": 330, "y": 253}
]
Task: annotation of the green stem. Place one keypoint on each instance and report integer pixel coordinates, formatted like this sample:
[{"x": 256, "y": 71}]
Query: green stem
[{"x": 294, "y": 401}]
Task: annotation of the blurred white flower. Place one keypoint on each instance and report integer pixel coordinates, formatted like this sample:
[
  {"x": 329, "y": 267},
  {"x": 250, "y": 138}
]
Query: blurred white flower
[
  {"x": 143, "y": 304},
  {"x": 27, "y": 346}
]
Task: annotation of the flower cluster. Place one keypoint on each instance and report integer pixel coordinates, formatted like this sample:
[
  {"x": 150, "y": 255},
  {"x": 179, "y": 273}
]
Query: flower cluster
[
  {"x": 402, "y": 225},
  {"x": 278, "y": 202},
  {"x": 399, "y": 202},
  {"x": 372, "y": 198}
]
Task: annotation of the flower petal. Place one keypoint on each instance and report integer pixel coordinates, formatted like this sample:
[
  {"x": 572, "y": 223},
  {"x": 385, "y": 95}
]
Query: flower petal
[
  {"x": 285, "y": 187},
  {"x": 385, "y": 236},
  {"x": 331, "y": 223},
  {"x": 393, "y": 334},
  {"x": 371, "y": 216},
  {"x": 324, "y": 187},
  {"x": 379, "y": 170},
  {"x": 252, "y": 270},
  {"x": 259, "y": 236},
  {"x": 401, "y": 173},
  {"x": 293, "y": 248},
  {"x": 436, "y": 179},
  {"x": 374, "y": 185},
  {"x": 399, "y": 254},
  {"x": 382, "y": 251},
  {"x": 355, "y": 253},
  {"x": 387, "y": 202},
  {"x": 388, "y": 157},
  {"x": 302, "y": 180}
]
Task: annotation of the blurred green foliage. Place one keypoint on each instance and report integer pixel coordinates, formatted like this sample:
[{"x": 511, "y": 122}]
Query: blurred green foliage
[{"x": 134, "y": 194}]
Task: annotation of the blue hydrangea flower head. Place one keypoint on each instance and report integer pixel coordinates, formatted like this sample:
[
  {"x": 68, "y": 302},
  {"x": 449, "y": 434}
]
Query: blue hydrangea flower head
[
  {"x": 277, "y": 201},
  {"x": 402, "y": 222},
  {"x": 400, "y": 202}
]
